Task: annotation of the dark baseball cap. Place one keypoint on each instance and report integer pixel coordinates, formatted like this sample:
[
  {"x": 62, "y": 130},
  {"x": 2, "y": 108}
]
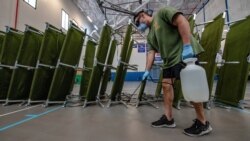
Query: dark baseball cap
[{"x": 148, "y": 12}]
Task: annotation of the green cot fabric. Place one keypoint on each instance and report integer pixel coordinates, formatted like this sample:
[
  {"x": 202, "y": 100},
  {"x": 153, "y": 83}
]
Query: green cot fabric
[
  {"x": 29, "y": 50},
  {"x": 20, "y": 84},
  {"x": 142, "y": 88},
  {"x": 197, "y": 37},
  {"x": 61, "y": 83},
  {"x": 5, "y": 77},
  {"x": 107, "y": 72},
  {"x": 51, "y": 46},
  {"x": 73, "y": 38},
  {"x": 88, "y": 62},
  {"x": 131, "y": 43},
  {"x": 63, "y": 78},
  {"x": 191, "y": 23},
  {"x": 101, "y": 56},
  {"x": 27, "y": 55},
  {"x": 10, "y": 47},
  {"x": 210, "y": 41},
  {"x": 48, "y": 55},
  {"x": 11, "y": 44},
  {"x": 232, "y": 81},
  {"x": 159, "y": 86},
  {"x": 2, "y": 35},
  {"x": 119, "y": 72}
]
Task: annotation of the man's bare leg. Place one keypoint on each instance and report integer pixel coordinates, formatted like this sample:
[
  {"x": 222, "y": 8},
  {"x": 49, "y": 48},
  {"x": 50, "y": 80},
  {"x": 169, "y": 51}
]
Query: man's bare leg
[
  {"x": 168, "y": 92},
  {"x": 199, "y": 112}
]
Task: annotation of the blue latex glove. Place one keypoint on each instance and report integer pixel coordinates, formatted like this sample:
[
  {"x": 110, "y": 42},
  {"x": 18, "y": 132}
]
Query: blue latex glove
[
  {"x": 145, "y": 75},
  {"x": 187, "y": 52}
]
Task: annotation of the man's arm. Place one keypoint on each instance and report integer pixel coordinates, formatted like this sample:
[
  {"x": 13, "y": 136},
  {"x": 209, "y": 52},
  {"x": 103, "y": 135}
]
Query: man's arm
[
  {"x": 150, "y": 59},
  {"x": 183, "y": 27}
]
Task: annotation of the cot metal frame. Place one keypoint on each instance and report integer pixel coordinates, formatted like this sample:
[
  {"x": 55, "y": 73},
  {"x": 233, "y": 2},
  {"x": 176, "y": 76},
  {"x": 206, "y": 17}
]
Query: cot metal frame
[{"x": 18, "y": 65}]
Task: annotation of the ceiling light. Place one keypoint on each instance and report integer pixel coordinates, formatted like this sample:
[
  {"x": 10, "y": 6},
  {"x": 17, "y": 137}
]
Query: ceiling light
[
  {"x": 96, "y": 27},
  {"x": 89, "y": 19}
]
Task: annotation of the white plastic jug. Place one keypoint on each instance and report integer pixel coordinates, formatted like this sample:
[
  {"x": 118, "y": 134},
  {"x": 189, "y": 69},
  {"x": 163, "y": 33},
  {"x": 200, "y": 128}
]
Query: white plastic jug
[{"x": 194, "y": 82}]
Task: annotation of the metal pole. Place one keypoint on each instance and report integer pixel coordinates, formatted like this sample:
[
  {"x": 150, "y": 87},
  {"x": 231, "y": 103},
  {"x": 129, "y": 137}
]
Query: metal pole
[
  {"x": 119, "y": 10},
  {"x": 24, "y": 66},
  {"x": 37, "y": 32},
  {"x": 52, "y": 28},
  {"x": 199, "y": 24},
  {"x": 67, "y": 65},
  {"x": 204, "y": 13},
  {"x": 47, "y": 66},
  {"x": 235, "y": 21},
  {"x": 8, "y": 29},
  {"x": 75, "y": 27},
  {"x": 227, "y": 11}
]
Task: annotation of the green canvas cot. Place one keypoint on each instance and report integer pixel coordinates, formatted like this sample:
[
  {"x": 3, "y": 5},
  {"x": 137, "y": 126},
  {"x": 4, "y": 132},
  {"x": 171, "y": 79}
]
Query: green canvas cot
[
  {"x": 233, "y": 78},
  {"x": 2, "y": 35},
  {"x": 143, "y": 98},
  {"x": 123, "y": 65},
  {"x": 107, "y": 71},
  {"x": 8, "y": 55},
  {"x": 88, "y": 63},
  {"x": 191, "y": 21},
  {"x": 63, "y": 78},
  {"x": 210, "y": 41},
  {"x": 25, "y": 64},
  {"x": 97, "y": 72},
  {"x": 48, "y": 55},
  {"x": 126, "y": 67}
]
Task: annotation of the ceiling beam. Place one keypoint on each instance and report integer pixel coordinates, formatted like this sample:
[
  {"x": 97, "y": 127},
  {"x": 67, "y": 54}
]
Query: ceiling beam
[
  {"x": 114, "y": 18},
  {"x": 135, "y": 10}
]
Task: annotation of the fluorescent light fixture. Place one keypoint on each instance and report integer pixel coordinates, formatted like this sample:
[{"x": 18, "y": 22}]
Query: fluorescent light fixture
[
  {"x": 81, "y": 9},
  {"x": 89, "y": 19},
  {"x": 96, "y": 27}
]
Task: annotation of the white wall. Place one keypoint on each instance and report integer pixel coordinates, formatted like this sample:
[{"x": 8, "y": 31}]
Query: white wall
[
  {"x": 46, "y": 11},
  {"x": 212, "y": 9},
  {"x": 7, "y": 13},
  {"x": 238, "y": 9},
  {"x": 136, "y": 58}
]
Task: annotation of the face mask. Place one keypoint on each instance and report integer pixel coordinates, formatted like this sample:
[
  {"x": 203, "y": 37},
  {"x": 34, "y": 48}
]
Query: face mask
[{"x": 142, "y": 27}]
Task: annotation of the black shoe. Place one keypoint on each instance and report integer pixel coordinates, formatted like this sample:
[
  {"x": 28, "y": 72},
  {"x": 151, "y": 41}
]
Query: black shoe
[
  {"x": 164, "y": 122},
  {"x": 198, "y": 129}
]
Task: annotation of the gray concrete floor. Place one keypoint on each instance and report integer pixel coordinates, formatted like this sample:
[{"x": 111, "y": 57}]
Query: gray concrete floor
[{"x": 116, "y": 123}]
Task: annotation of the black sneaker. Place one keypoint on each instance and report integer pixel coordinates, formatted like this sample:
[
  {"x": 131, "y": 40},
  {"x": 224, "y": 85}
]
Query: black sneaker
[
  {"x": 164, "y": 122},
  {"x": 198, "y": 129}
]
